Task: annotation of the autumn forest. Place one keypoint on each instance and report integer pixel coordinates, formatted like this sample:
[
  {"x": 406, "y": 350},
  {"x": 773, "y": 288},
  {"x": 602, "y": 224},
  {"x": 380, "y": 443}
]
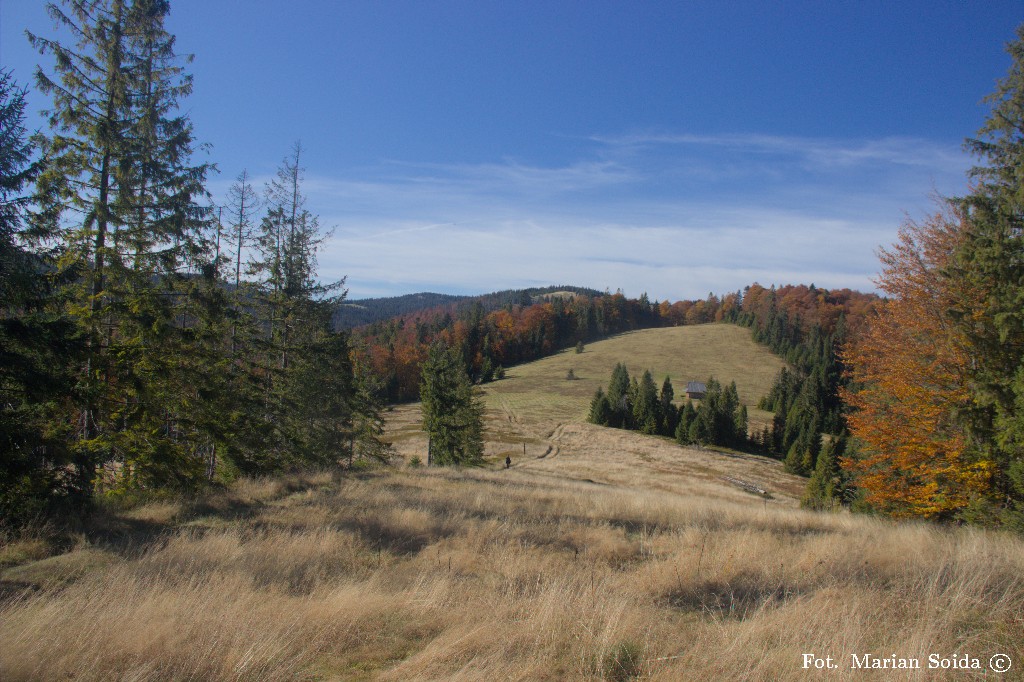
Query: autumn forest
[{"x": 152, "y": 341}]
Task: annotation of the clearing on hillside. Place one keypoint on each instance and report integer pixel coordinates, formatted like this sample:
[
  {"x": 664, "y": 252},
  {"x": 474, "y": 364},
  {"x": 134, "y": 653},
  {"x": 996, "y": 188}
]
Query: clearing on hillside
[
  {"x": 539, "y": 392},
  {"x": 538, "y": 417}
]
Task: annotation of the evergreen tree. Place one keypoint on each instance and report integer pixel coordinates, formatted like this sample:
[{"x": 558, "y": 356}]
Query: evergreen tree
[
  {"x": 38, "y": 345},
  {"x": 600, "y": 410},
  {"x": 741, "y": 427},
  {"x": 646, "y": 407},
  {"x": 294, "y": 310},
  {"x": 88, "y": 135},
  {"x": 452, "y": 414},
  {"x": 669, "y": 413},
  {"x": 486, "y": 370},
  {"x": 698, "y": 432},
  {"x": 803, "y": 453},
  {"x": 717, "y": 420},
  {"x": 989, "y": 260},
  {"x": 145, "y": 365},
  {"x": 714, "y": 422},
  {"x": 813, "y": 450},
  {"x": 629, "y": 421},
  {"x": 826, "y": 490},
  {"x": 687, "y": 416},
  {"x": 122, "y": 198},
  {"x": 618, "y": 396},
  {"x": 288, "y": 241},
  {"x": 243, "y": 202},
  {"x": 728, "y": 418},
  {"x": 776, "y": 443},
  {"x": 338, "y": 414}
]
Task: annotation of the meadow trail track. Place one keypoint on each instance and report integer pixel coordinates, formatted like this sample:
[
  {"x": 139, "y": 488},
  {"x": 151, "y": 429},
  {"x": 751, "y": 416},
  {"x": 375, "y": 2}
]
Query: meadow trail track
[{"x": 553, "y": 438}]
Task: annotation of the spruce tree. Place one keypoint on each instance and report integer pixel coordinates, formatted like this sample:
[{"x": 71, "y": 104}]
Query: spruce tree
[
  {"x": 242, "y": 207},
  {"x": 741, "y": 429},
  {"x": 600, "y": 410},
  {"x": 728, "y": 416},
  {"x": 697, "y": 432},
  {"x": 776, "y": 442},
  {"x": 669, "y": 413},
  {"x": 989, "y": 260},
  {"x": 646, "y": 407},
  {"x": 452, "y": 414},
  {"x": 90, "y": 93},
  {"x": 38, "y": 343},
  {"x": 825, "y": 490},
  {"x": 288, "y": 241},
  {"x": 295, "y": 312},
  {"x": 714, "y": 418},
  {"x": 618, "y": 396},
  {"x": 336, "y": 409},
  {"x": 123, "y": 198},
  {"x": 687, "y": 416},
  {"x": 632, "y": 395}
]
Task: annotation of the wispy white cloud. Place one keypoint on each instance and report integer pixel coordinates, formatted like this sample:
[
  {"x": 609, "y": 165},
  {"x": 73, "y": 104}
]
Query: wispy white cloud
[
  {"x": 512, "y": 176},
  {"x": 904, "y": 151},
  {"x": 674, "y": 215},
  {"x": 677, "y": 261}
]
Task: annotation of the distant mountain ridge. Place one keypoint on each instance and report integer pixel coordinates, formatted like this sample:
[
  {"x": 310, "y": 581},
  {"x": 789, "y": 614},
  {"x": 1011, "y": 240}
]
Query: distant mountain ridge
[{"x": 365, "y": 311}]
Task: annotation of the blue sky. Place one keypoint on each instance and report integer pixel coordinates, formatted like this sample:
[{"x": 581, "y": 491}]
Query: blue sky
[{"x": 669, "y": 147}]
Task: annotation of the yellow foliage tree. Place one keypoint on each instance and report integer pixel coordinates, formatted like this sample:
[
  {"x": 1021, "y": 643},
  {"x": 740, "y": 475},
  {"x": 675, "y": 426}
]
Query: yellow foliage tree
[{"x": 909, "y": 372}]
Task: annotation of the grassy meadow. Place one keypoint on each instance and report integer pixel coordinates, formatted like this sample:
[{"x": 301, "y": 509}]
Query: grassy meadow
[
  {"x": 600, "y": 555},
  {"x": 535, "y": 404},
  {"x": 539, "y": 392}
]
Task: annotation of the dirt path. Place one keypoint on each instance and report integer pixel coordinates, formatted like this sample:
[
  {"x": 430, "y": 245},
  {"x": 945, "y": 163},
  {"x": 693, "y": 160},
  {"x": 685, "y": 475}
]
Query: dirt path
[{"x": 586, "y": 452}]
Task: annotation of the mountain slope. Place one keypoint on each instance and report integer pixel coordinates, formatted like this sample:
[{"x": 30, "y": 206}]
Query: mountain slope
[
  {"x": 369, "y": 310},
  {"x": 539, "y": 390},
  {"x": 538, "y": 417}
]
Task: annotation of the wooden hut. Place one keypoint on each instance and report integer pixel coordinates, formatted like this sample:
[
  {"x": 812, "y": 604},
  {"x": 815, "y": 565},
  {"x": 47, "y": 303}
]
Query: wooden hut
[{"x": 695, "y": 390}]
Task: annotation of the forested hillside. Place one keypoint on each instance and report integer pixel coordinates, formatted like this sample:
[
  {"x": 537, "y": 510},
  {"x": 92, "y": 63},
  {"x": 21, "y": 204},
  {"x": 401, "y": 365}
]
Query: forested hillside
[
  {"x": 515, "y": 331},
  {"x": 355, "y": 313},
  {"x": 808, "y": 327}
]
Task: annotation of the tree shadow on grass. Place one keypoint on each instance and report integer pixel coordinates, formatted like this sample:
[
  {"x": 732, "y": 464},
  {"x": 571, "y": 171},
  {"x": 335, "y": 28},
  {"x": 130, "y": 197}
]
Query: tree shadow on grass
[{"x": 736, "y": 599}]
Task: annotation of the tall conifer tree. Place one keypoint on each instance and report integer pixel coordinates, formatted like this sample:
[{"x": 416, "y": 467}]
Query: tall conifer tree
[
  {"x": 991, "y": 258},
  {"x": 38, "y": 344},
  {"x": 452, "y": 415},
  {"x": 124, "y": 199}
]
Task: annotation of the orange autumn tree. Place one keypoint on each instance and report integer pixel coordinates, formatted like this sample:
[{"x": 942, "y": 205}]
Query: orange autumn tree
[{"x": 909, "y": 371}]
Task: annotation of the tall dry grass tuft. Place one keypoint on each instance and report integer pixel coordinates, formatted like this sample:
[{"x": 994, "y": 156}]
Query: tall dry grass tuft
[
  {"x": 472, "y": 575},
  {"x": 125, "y": 625}
]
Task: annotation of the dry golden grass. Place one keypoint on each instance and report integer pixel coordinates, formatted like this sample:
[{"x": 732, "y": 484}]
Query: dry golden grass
[
  {"x": 516, "y": 575},
  {"x": 601, "y": 554}
]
